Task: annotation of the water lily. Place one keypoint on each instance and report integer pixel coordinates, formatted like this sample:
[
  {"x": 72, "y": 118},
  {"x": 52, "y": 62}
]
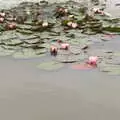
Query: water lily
[
  {"x": 11, "y": 26},
  {"x": 53, "y": 50},
  {"x": 2, "y": 14},
  {"x": 59, "y": 41},
  {"x": 45, "y": 24},
  {"x": 62, "y": 10},
  {"x": 74, "y": 25},
  {"x": 69, "y": 24},
  {"x": 66, "y": 10},
  {"x": 1, "y": 19},
  {"x": 97, "y": 11},
  {"x": 92, "y": 60},
  {"x": 65, "y": 46}
]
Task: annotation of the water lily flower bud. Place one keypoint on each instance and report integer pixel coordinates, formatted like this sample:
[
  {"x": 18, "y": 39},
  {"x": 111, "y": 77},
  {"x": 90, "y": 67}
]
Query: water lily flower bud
[
  {"x": 1, "y": 19},
  {"x": 45, "y": 24},
  {"x": 65, "y": 46},
  {"x": 53, "y": 50},
  {"x": 59, "y": 41},
  {"x": 93, "y": 60},
  {"x": 74, "y": 25}
]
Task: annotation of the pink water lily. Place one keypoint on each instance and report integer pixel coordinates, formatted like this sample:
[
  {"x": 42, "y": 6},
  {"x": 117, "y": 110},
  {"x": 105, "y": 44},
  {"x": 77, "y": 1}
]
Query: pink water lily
[
  {"x": 1, "y": 19},
  {"x": 2, "y": 14},
  {"x": 53, "y": 50},
  {"x": 92, "y": 60},
  {"x": 11, "y": 26},
  {"x": 65, "y": 46}
]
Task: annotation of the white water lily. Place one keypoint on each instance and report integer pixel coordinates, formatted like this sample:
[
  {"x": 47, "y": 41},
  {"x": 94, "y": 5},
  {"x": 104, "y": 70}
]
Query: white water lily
[
  {"x": 74, "y": 25},
  {"x": 69, "y": 23},
  {"x": 45, "y": 24},
  {"x": 95, "y": 9},
  {"x": 66, "y": 10}
]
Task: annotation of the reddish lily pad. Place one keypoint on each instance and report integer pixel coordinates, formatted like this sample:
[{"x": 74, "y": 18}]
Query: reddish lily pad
[{"x": 82, "y": 66}]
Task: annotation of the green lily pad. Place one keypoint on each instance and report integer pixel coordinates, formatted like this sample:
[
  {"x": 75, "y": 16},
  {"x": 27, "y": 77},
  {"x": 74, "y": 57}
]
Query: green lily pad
[
  {"x": 112, "y": 29},
  {"x": 26, "y": 32},
  {"x": 24, "y": 27},
  {"x": 50, "y": 66},
  {"x": 70, "y": 58},
  {"x": 6, "y": 35},
  {"x": 33, "y": 41},
  {"x": 45, "y": 35},
  {"x": 12, "y": 42},
  {"x": 2, "y": 28},
  {"x": 5, "y": 52},
  {"x": 110, "y": 69},
  {"x": 10, "y": 47},
  {"x": 75, "y": 49},
  {"x": 29, "y": 53}
]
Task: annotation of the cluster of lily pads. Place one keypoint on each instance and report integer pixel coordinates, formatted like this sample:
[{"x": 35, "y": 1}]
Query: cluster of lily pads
[{"x": 35, "y": 29}]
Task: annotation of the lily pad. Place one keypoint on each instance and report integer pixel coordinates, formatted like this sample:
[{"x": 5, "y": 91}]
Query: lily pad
[
  {"x": 75, "y": 49},
  {"x": 33, "y": 41},
  {"x": 6, "y": 35},
  {"x": 50, "y": 66},
  {"x": 27, "y": 32},
  {"x": 2, "y": 28},
  {"x": 82, "y": 66},
  {"x": 5, "y": 52},
  {"x": 70, "y": 58},
  {"x": 12, "y": 42},
  {"x": 110, "y": 69},
  {"x": 29, "y": 53},
  {"x": 24, "y": 27},
  {"x": 112, "y": 29}
]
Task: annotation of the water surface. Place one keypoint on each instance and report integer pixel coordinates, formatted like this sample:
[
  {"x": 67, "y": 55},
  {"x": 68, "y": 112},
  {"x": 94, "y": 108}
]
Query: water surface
[{"x": 27, "y": 93}]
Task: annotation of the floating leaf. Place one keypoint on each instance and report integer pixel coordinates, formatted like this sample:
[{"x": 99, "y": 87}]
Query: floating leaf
[
  {"x": 5, "y": 52},
  {"x": 27, "y": 32},
  {"x": 70, "y": 58},
  {"x": 75, "y": 49},
  {"x": 110, "y": 68},
  {"x": 12, "y": 42},
  {"x": 112, "y": 29},
  {"x": 29, "y": 53},
  {"x": 82, "y": 66},
  {"x": 50, "y": 66}
]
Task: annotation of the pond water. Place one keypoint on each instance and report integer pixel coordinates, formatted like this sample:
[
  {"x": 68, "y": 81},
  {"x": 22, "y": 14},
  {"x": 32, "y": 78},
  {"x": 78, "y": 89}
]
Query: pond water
[{"x": 28, "y": 93}]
